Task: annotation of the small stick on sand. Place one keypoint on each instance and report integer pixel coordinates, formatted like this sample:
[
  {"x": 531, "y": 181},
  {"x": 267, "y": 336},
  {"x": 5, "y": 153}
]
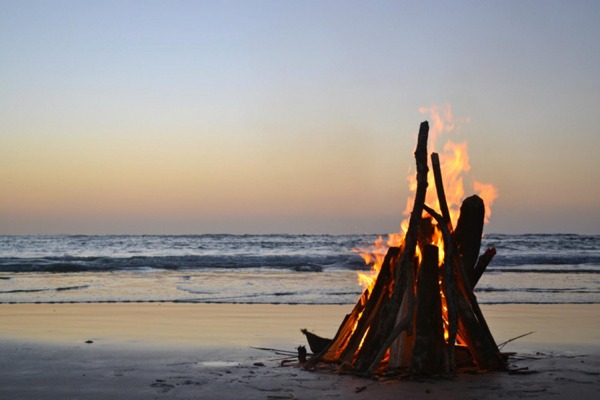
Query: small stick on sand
[{"x": 501, "y": 345}]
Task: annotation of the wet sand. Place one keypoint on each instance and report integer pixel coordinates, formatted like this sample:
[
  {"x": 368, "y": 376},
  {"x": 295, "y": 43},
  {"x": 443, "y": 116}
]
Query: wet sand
[{"x": 195, "y": 351}]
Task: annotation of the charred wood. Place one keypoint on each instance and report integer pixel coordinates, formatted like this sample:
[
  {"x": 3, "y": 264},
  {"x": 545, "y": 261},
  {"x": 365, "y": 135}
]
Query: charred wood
[
  {"x": 439, "y": 187},
  {"x": 316, "y": 343},
  {"x": 468, "y": 232},
  {"x": 482, "y": 263},
  {"x": 348, "y": 338},
  {"x": 429, "y": 327},
  {"x": 379, "y": 296},
  {"x": 332, "y": 352},
  {"x": 449, "y": 287},
  {"x": 401, "y": 348},
  {"x": 472, "y": 326}
]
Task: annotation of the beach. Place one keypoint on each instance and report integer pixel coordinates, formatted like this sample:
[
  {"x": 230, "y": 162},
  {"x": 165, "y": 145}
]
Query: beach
[{"x": 217, "y": 351}]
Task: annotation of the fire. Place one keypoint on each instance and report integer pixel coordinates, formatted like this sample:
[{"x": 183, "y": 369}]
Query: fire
[
  {"x": 454, "y": 163},
  {"x": 417, "y": 327},
  {"x": 374, "y": 257},
  {"x": 488, "y": 194}
]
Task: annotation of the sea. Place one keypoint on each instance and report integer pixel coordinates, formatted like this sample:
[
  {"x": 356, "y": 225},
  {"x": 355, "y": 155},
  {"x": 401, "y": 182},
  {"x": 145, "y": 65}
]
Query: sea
[{"x": 271, "y": 269}]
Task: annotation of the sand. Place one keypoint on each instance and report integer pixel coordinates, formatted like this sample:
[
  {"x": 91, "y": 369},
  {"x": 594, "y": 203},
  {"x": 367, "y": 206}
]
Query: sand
[{"x": 207, "y": 351}]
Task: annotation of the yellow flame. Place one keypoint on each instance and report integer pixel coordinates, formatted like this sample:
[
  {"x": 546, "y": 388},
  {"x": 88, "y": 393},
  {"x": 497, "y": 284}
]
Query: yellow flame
[
  {"x": 364, "y": 337},
  {"x": 374, "y": 257},
  {"x": 445, "y": 322},
  {"x": 454, "y": 163},
  {"x": 418, "y": 254},
  {"x": 438, "y": 240},
  {"x": 395, "y": 239}
]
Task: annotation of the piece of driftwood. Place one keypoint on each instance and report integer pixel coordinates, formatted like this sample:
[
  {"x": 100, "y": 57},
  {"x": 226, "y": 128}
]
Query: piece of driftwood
[
  {"x": 333, "y": 351},
  {"x": 473, "y": 328},
  {"x": 482, "y": 263},
  {"x": 379, "y": 296},
  {"x": 372, "y": 328},
  {"x": 448, "y": 278},
  {"x": 316, "y": 343},
  {"x": 381, "y": 336},
  {"x": 439, "y": 187},
  {"x": 301, "y": 354},
  {"x": 448, "y": 287},
  {"x": 468, "y": 232},
  {"x": 467, "y": 242},
  {"x": 401, "y": 349},
  {"x": 347, "y": 340},
  {"x": 429, "y": 347},
  {"x": 472, "y": 325}
]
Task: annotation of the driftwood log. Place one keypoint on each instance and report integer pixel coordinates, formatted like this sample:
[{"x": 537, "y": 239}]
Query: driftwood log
[
  {"x": 428, "y": 350},
  {"x": 468, "y": 233}
]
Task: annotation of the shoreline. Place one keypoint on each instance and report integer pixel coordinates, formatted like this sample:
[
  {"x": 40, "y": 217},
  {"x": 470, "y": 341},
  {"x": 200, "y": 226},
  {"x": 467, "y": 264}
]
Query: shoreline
[{"x": 174, "y": 350}]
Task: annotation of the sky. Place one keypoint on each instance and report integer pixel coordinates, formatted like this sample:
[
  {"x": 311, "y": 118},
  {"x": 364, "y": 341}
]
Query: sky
[{"x": 191, "y": 117}]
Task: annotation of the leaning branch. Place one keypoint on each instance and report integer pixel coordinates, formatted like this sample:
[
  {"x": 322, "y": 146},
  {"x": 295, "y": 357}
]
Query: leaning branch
[
  {"x": 439, "y": 187},
  {"x": 386, "y": 332}
]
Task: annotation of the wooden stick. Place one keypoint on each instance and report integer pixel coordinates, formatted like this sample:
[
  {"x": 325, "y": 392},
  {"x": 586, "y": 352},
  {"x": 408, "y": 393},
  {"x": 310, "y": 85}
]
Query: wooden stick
[
  {"x": 474, "y": 328},
  {"x": 449, "y": 284},
  {"x": 332, "y": 352},
  {"x": 501, "y": 345},
  {"x": 401, "y": 348},
  {"x": 439, "y": 186},
  {"x": 429, "y": 326},
  {"x": 472, "y": 325},
  {"x": 380, "y": 337},
  {"x": 482, "y": 263},
  {"x": 449, "y": 287},
  {"x": 343, "y": 346},
  {"x": 378, "y": 296},
  {"x": 468, "y": 232}
]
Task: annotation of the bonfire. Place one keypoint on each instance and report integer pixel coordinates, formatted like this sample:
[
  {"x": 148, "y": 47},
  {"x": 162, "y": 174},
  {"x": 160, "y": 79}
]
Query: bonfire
[{"x": 418, "y": 312}]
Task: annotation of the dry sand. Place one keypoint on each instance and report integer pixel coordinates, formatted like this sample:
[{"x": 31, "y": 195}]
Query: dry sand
[{"x": 205, "y": 351}]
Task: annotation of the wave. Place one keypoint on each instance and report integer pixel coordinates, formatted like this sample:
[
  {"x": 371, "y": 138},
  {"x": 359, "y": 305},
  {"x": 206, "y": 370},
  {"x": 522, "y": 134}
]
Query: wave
[
  {"x": 299, "y": 263},
  {"x": 55, "y": 289},
  {"x": 308, "y": 263},
  {"x": 563, "y": 269},
  {"x": 506, "y": 260},
  {"x": 565, "y": 290}
]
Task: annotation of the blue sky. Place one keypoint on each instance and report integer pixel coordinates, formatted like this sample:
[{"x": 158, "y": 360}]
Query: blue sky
[{"x": 290, "y": 116}]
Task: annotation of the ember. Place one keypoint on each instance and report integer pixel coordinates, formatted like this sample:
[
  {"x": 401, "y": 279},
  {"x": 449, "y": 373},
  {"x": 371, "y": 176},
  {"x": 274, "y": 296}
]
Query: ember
[{"x": 420, "y": 313}]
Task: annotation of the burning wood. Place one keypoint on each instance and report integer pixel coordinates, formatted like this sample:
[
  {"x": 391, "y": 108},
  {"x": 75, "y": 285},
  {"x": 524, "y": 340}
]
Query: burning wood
[{"x": 421, "y": 313}]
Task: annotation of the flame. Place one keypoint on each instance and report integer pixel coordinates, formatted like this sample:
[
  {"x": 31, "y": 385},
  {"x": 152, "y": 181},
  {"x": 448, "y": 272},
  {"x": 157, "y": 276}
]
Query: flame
[
  {"x": 438, "y": 240},
  {"x": 374, "y": 257},
  {"x": 454, "y": 163},
  {"x": 488, "y": 194}
]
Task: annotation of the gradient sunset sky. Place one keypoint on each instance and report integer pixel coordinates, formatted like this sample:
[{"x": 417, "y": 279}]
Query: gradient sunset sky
[{"x": 290, "y": 116}]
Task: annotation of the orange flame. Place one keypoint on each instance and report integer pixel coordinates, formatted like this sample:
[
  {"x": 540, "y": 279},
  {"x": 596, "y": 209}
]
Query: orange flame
[
  {"x": 374, "y": 257},
  {"x": 488, "y": 194}
]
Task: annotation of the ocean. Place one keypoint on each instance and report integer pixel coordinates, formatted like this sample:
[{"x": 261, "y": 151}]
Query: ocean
[{"x": 286, "y": 269}]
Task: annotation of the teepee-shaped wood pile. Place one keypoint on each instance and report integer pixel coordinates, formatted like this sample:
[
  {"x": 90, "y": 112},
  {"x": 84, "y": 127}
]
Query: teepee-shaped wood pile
[{"x": 420, "y": 315}]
